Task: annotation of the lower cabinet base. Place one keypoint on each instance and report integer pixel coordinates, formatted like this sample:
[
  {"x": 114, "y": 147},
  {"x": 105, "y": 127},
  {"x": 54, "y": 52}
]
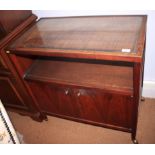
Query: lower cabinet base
[
  {"x": 40, "y": 117},
  {"x": 108, "y": 126},
  {"x": 86, "y": 105},
  {"x": 90, "y": 122}
]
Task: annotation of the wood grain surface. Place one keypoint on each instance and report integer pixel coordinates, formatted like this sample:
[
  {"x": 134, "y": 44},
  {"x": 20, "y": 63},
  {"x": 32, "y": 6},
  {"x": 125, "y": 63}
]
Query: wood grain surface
[
  {"x": 100, "y": 35},
  {"x": 94, "y": 75}
]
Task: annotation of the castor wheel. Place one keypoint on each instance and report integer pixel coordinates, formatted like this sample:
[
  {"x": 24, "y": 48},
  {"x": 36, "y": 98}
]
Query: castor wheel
[
  {"x": 142, "y": 99},
  {"x": 135, "y": 141}
]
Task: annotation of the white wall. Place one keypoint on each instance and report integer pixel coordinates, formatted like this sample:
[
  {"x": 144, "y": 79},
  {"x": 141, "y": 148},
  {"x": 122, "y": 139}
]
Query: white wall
[{"x": 149, "y": 73}]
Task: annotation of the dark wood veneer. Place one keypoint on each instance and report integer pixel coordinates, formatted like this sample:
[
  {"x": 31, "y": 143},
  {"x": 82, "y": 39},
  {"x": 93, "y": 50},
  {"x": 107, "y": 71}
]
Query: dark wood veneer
[
  {"x": 76, "y": 68},
  {"x": 85, "y": 37},
  {"x": 85, "y": 104},
  {"x": 103, "y": 76},
  {"x": 8, "y": 92},
  {"x": 10, "y": 19},
  {"x": 12, "y": 90}
]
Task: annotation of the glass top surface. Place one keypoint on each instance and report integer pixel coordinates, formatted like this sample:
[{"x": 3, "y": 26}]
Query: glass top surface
[{"x": 100, "y": 33}]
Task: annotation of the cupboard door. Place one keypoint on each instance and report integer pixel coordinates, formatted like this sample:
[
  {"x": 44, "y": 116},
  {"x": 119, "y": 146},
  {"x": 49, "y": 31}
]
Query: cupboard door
[
  {"x": 91, "y": 105},
  {"x": 67, "y": 103},
  {"x": 84, "y": 104},
  {"x": 107, "y": 108},
  {"x": 9, "y": 94},
  {"x": 54, "y": 99},
  {"x": 46, "y": 97},
  {"x": 119, "y": 110}
]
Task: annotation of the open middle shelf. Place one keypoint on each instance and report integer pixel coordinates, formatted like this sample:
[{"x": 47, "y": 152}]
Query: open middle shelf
[{"x": 93, "y": 74}]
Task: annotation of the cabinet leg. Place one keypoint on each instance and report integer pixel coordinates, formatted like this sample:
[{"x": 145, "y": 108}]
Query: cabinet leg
[
  {"x": 39, "y": 117},
  {"x": 142, "y": 98},
  {"x": 135, "y": 141},
  {"x": 133, "y": 137},
  {"x": 43, "y": 117}
]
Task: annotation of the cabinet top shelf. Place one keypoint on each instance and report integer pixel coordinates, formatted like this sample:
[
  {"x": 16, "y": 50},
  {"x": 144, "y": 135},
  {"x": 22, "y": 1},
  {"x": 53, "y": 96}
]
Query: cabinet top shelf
[{"x": 99, "y": 37}]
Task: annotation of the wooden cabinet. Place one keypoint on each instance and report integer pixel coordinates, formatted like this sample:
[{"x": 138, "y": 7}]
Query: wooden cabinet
[
  {"x": 87, "y": 69},
  {"x": 13, "y": 92}
]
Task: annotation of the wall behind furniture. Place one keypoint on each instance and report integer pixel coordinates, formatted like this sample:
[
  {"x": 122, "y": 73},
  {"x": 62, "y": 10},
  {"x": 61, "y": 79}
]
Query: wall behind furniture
[{"x": 149, "y": 73}]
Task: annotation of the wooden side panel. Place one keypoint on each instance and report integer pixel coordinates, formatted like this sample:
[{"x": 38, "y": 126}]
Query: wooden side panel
[
  {"x": 9, "y": 94},
  {"x": 2, "y": 64},
  {"x": 2, "y": 33},
  {"x": 10, "y": 19}
]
